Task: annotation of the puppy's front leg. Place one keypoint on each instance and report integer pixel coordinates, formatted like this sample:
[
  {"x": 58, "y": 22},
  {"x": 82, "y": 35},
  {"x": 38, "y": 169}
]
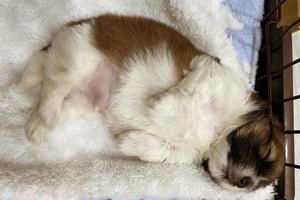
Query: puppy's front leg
[{"x": 145, "y": 146}]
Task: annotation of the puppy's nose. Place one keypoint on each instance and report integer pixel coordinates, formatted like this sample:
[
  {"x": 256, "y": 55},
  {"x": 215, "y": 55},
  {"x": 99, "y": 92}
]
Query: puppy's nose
[{"x": 241, "y": 182}]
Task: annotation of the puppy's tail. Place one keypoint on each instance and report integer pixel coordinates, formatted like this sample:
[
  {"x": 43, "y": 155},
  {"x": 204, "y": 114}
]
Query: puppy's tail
[{"x": 33, "y": 74}]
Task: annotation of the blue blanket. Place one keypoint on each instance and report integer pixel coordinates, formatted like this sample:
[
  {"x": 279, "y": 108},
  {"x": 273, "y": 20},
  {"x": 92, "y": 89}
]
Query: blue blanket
[{"x": 247, "y": 40}]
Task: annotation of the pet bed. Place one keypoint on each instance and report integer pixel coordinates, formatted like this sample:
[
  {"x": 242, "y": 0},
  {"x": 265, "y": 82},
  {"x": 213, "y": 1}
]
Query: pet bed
[{"x": 80, "y": 160}]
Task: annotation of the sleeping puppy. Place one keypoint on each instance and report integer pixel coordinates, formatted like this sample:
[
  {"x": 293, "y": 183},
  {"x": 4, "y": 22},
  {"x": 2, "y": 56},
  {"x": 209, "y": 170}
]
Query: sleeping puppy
[{"x": 164, "y": 100}]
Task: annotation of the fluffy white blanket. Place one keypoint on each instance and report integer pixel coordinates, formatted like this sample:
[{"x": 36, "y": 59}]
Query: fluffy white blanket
[{"x": 79, "y": 160}]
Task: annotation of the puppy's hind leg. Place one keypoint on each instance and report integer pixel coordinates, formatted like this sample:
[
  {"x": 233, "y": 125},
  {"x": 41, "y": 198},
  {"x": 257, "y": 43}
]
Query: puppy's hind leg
[
  {"x": 46, "y": 115},
  {"x": 70, "y": 59},
  {"x": 33, "y": 74}
]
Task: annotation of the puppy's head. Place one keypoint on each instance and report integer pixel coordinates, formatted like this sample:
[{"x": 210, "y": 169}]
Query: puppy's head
[{"x": 251, "y": 156}]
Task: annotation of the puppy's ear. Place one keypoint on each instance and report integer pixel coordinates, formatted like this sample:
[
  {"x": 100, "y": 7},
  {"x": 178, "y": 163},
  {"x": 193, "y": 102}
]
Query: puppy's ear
[
  {"x": 261, "y": 109},
  {"x": 260, "y": 125}
]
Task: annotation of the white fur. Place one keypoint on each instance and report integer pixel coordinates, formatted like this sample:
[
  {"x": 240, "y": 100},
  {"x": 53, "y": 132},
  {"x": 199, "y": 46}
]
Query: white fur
[
  {"x": 179, "y": 127},
  {"x": 69, "y": 61}
]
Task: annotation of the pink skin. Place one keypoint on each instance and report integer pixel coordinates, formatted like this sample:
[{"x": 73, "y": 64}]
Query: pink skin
[
  {"x": 99, "y": 89},
  {"x": 96, "y": 90}
]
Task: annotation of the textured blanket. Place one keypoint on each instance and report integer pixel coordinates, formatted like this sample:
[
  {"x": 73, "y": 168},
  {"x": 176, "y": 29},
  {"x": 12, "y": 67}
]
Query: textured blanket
[{"x": 79, "y": 160}]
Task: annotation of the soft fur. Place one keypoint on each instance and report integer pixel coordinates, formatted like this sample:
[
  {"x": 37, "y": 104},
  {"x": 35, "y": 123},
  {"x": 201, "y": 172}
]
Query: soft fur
[{"x": 169, "y": 102}]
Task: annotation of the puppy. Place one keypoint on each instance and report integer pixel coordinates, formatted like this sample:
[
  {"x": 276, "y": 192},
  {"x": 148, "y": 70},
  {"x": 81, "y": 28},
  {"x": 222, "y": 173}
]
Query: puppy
[{"x": 164, "y": 100}]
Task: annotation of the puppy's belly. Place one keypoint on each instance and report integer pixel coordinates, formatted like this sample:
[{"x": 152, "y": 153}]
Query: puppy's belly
[{"x": 95, "y": 91}]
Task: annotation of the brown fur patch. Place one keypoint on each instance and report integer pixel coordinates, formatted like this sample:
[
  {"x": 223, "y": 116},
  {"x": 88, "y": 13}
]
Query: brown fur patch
[{"x": 120, "y": 37}]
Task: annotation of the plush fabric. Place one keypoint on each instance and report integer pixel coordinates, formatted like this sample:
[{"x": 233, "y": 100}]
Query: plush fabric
[
  {"x": 80, "y": 159},
  {"x": 116, "y": 178},
  {"x": 247, "y": 40}
]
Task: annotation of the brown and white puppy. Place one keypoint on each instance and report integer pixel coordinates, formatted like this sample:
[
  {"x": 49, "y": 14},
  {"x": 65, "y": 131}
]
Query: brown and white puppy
[{"x": 164, "y": 99}]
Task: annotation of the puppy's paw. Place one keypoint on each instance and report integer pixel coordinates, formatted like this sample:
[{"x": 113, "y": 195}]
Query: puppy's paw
[
  {"x": 36, "y": 129},
  {"x": 145, "y": 146},
  {"x": 50, "y": 112}
]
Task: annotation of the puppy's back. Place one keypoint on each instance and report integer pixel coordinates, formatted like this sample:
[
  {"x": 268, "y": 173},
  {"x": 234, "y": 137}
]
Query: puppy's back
[{"x": 119, "y": 37}]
